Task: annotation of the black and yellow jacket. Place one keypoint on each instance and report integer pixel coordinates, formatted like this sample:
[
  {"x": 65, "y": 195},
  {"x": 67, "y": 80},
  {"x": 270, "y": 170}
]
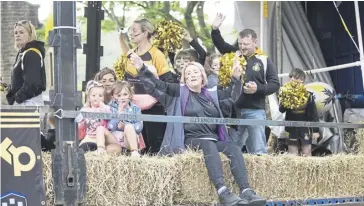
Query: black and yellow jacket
[
  {"x": 153, "y": 57},
  {"x": 28, "y": 76},
  {"x": 259, "y": 69}
]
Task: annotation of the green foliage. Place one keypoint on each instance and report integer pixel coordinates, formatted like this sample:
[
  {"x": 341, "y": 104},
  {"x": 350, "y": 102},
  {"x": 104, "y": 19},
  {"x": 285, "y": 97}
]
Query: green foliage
[
  {"x": 108, "y": 25},
  {"x": 41, "y": 35}
]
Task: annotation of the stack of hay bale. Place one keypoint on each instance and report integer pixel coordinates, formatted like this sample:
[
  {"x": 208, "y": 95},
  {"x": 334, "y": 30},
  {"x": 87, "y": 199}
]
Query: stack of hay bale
[{"x": 183, "y": 179}]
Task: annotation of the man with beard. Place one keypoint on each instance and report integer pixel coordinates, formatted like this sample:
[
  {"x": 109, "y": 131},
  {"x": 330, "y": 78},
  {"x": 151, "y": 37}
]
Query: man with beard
[{"x": 261, "y": 81}]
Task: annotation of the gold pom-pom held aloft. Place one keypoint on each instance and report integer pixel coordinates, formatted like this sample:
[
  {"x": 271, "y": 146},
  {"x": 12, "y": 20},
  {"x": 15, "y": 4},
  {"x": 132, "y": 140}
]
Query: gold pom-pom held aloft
[
  {"x": 120, "y": 66},
  {"x": 169, "y": 36},
  {"x": 293, "y": 95},
  {"x": 225, "y": 71}
]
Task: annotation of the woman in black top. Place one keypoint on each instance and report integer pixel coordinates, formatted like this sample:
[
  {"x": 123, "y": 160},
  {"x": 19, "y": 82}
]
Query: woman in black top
[{"x": 28, "y": 79}]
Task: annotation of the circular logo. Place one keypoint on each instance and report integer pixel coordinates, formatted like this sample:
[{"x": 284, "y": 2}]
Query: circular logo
[{"x": 256, "y": 67}]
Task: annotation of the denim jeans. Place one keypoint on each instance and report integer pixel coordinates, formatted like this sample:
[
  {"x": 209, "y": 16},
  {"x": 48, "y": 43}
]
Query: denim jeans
[{"x": 255, "y": 139}]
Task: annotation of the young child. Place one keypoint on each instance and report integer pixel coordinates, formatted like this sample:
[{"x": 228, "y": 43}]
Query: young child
[
  {"x": 181, "y": 59},
  {"x": 128, "y": 132},
  {"x": 97, "y": 136},
  {"x": 212, "y": 70},
  {"x": 301, "y": 138}
]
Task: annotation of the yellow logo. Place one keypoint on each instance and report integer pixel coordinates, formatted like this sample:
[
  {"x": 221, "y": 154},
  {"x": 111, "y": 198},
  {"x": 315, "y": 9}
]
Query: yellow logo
[
  {"x": 11, "y": 155},
  {"x": 256, "y": 67}
]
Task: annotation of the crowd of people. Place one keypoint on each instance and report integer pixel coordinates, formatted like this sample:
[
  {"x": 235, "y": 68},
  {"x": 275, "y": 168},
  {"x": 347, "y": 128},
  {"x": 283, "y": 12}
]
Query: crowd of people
[{"x": 185, "y": 85}]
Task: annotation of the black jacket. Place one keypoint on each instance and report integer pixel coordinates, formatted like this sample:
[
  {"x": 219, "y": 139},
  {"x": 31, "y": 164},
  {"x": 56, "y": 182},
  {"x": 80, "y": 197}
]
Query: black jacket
[
  {"x": 308, "y": 113},
  {"x": 29, "y": 81},
  {"x": 256, "y": 100}
]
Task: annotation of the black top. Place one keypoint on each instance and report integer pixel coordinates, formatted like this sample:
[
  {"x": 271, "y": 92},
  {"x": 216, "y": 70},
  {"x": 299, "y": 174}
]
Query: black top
[
  {"x": 29, "y": 81},
  {"x": 198, "y": 105},
  {"x": 307, "y": 113},
  {"x": 254, "y": 72}
]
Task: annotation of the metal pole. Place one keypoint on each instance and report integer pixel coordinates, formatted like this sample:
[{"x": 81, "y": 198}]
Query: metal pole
[
  {"x": 261, "y": 38},
  {"x": 360, "y": 38},
  {"x": 68, "y": 163},
  {"x": 327, "y": 69},
  {"x": 93, "y": 48}
]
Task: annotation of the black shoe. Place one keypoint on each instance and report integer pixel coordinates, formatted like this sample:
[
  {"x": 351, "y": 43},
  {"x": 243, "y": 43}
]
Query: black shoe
[
  {"x": 249, "y": 197},
  {"x": 228, "y": 199}
]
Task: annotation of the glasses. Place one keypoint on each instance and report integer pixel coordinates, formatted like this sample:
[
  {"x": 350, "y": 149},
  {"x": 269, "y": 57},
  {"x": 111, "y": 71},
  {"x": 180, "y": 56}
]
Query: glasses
[{"x": 23, "y": 23}]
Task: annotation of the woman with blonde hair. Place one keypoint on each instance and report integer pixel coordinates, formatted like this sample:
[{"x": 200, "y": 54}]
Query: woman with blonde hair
[
  {"x": 141, "y": 35},
  {"x": 28, "y": 79}
]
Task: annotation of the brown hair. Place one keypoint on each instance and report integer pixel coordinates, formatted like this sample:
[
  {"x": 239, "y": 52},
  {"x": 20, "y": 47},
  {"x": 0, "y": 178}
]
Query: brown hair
[
  {"x": 30, "y": 29},
  {"x": 200, "y": 67},
  {"x": 103, "y": 72},
  {"x": 297, "y": 74},
  {"x": 120, "y": 85},
  {"x": 247, "y": 33},
  {"x": 209, "y": 61},
  {"x": 189, "y": 54}
]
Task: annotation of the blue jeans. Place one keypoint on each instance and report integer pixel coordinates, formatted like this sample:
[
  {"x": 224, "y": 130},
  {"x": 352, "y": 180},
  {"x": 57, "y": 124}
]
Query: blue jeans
[{"x": 255, "y": 139}]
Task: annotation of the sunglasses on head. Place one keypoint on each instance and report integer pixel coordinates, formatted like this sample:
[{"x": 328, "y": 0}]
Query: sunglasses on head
[{"x": 23, "y": 22}]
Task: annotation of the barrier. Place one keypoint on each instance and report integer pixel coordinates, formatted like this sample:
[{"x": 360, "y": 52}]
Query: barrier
[
  {"x": 69, "y": 114},
  {"x": 21, "y": 163}
]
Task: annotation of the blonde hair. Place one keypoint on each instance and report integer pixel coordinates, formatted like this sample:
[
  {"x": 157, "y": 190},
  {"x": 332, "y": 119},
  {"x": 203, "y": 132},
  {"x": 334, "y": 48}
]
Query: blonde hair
[
  {"x": 146, "y": 26},
  {"x": 92, "y": 84},
  {"x": 120, "y": 85},
  {"x": 200, "y": 67},
  {"x": 27, "y": 25}
]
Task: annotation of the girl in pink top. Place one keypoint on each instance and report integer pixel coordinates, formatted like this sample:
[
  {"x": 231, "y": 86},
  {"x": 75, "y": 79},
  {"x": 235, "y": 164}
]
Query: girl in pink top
[{"x": 97, "y": 136}]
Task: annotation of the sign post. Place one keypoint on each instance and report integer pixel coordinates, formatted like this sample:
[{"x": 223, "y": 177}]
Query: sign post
[{"x": 21, "y": 162}]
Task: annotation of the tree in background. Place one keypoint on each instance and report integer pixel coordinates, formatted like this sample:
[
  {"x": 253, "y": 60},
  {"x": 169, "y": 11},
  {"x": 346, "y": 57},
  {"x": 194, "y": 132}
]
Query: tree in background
[{"x": 190, "y": 16}]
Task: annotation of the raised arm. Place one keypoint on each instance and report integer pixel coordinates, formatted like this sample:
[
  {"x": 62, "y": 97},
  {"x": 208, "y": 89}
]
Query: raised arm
[
  {"x": 201, "y": 51},
  {"x": 219, "y": 42},
  {"x": 217, "y": 39},
  {"x": 163, "y": 91},
  {"x": 123, "y": 45}
]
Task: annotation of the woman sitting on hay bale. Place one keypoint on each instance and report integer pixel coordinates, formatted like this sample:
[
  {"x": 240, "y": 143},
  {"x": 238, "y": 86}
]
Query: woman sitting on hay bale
[{"x": 191, "y": 98}]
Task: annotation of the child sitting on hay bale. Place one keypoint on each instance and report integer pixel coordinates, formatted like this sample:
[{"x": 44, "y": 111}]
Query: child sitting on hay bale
[
  {"x": 299, "y": 138},
  {"x": 127, "y": 133},
  {"x": 94, "y": 132}
]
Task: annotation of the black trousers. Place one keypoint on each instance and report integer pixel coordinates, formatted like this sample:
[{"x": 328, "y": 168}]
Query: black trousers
[
  {"x": 213, "y": 162},
  {"x": 153, "y": 132}
]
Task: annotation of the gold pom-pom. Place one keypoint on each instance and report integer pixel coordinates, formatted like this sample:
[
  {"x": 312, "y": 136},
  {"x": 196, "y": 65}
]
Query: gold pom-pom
[
  {"x": 293, "y": 95},
  {"x": 226, "y": 69},
  {"x": 4, "y": 87},
  {"x": 120, "y": 66},
  {"x": 169, "y": 36}
]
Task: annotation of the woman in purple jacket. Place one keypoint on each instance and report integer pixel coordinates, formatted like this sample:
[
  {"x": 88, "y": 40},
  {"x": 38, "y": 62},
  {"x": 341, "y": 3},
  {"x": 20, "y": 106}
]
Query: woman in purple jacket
[{"x": 192, "y": 99}]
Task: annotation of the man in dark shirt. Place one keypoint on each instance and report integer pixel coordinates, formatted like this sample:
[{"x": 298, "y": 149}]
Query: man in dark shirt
[{"x": 261, "y": 81}]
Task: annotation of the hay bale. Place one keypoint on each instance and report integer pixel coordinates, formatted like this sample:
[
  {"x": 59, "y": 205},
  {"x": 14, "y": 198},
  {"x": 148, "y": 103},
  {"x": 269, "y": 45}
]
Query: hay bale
[
  {"x": 124, "y": 180},
  {"x": 360, "y": 141},
  {"x": 183, "y": 179}
]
